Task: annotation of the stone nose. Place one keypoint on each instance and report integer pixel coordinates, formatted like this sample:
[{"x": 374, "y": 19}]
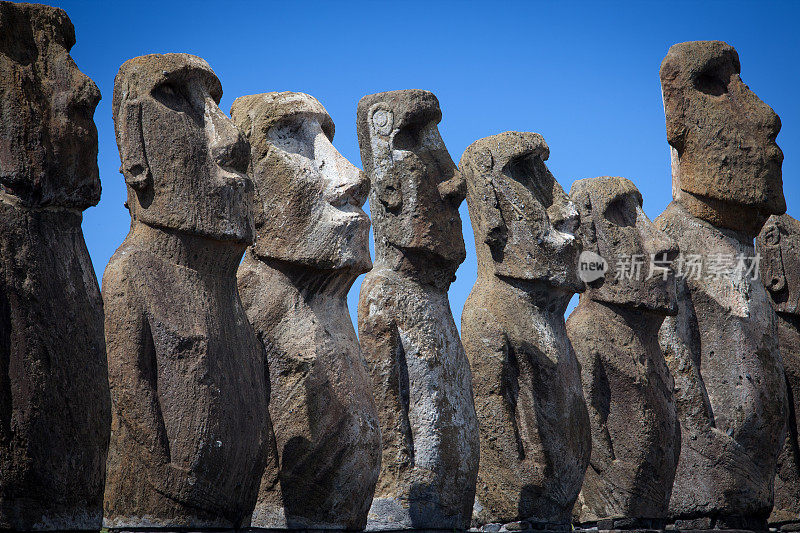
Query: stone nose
[
  {"x": 564, "y": 216},
  {"x": 350, "y": 187},
  {"x": 229, "y": 147},
  {"x": 453, "y": 190},
  {"x": 657, "y": 242},
  {"x": 773, "y": 123},
  {"x": 87, "y": 95}
]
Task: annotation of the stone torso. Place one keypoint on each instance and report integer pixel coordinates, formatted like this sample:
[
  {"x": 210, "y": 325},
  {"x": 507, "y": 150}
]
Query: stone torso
[
  {"x": 787, "y": 481},
  {"x": 635, "y": 431},
  {"x": 326, "y": 427},
  {"x": 422, "y": 382},
  {"x": 527, "y": 381},
  {"x": 210, "y": 371},
  {"x": 723, "y": 353},
  {"x": 54, "y": 408}
]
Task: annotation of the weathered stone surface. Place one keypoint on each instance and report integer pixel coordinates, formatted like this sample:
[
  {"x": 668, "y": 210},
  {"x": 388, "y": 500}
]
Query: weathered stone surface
[
  {"x": 54, "y": 400},
  {"x": 779, "y": 247},
  {"x": 312, "y": 243},
  {"x": 722, "y": 346},
  {"x": 626, "y": 382},
  {"x": 719, "y": 132},
  {"x": 420, "y": 374},
  {"x": 534, "y": 428},
  {"x": 190, "y": 430}
]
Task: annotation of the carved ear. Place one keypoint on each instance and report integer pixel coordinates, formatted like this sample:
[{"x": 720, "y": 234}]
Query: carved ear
[
  {"x": 772, "y": 271},
  {"x": 381, "y": 120},
  {"x": 387, "y": 183},
  {"x": 131, "y": 145},
  {"x": 390, "y": 192},
  {"x": 496, "y": 228},
  {"x": 587, "y": 231}
]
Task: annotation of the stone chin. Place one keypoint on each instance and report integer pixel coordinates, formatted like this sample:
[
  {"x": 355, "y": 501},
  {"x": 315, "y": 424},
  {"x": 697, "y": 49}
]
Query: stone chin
[
  {"x": 654, "y": 295},
  {"x": 343, "y": 245},
  {"x": 444, "y": 256},
  {"x": 354, "y": 253},
  {"x": 562, "y": 278}
]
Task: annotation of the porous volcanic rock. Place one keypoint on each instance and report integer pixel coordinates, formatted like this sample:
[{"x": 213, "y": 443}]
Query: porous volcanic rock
[
  {"x": 312, "y": 243},
  {"x": 626, "y": 382},
  {"x": 420, "y": 373},
  {"x": 722, "y": 347},
  {"x": 779, "y": 247},
  {"x": 534, "y": 427},
  {"x": 54, "y": 400},
  {"x": 189, "y": 381}
]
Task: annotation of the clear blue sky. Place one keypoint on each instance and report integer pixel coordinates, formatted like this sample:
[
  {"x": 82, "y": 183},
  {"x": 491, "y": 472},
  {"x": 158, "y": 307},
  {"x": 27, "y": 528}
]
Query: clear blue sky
[{"x": 583, "y": 74}]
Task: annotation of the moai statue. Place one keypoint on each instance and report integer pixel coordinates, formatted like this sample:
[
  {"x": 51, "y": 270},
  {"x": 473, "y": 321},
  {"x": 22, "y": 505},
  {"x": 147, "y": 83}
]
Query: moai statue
[
  {"x": 312, "y": 242},
  {"x": 534, "y": 427},
  {"x": 778, "y": 246},
  {"x": 626, "y": 382},
  {"x": 420, "y": 373},
  {"x": 722, "y": 347},
  {"x": 189, "y": 381},
  {"x": 54, "y": 401}
]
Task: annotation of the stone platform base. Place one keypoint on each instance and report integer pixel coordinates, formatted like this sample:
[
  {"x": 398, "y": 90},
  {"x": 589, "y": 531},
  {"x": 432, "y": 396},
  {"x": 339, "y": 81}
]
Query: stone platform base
[
  {"x": 524, "y": 525},
  {"x": 785, "y": 526}
]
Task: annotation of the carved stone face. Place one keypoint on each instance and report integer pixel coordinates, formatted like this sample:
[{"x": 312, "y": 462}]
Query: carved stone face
[
  {"x": 523, "y": 221},
  {"x": 309, "y": 202},
  {"x": 183, "y": 159},
  {"x": 614, "y": 226},
  {"x": 778, "y": 244},
  {"x": 722, "y": 135},
  {"x": 48, "y": 139},
  {"x": 416, "y": 188}
]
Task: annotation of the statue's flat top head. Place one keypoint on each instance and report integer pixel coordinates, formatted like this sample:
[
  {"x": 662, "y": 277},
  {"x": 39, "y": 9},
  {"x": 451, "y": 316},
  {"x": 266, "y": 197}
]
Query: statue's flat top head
[
  {"x": 183, "y": 159},
  {"x": 308, "y": 209},
  {"x": 523, "y": 221},
  {"x": 48, "y": 139},
  {"x": 416, "y": 188},
  {"x": 614, "y": 226},
  {"x": 722, "y": 135}
]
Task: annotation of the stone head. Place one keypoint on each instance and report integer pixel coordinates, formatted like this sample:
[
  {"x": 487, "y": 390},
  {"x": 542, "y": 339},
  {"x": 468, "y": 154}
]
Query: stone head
[
  {"x": 523, "y": 221},
  {"x": 722, "y": 136},
  {"x": 778, "y": 246},
  {"x": 309, "y": 197},
  {"x": 614, "y": 226},
  {"x": 48, "y": 139},
  {"x": 183, "y": 159},
  {"x": 416, "y": 188}
]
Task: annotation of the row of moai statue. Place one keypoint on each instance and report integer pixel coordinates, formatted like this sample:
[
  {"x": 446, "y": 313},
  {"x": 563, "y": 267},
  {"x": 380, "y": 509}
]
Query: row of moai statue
[{"x": 207, "y": 391}]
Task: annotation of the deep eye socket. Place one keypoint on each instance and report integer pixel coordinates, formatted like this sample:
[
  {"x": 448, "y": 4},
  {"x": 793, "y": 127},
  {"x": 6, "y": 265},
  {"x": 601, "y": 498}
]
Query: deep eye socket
[
  {"x": 408, "y": 137},
  {"x": 289, "y": 136},
  {"x": 172, "y": 96},
  {"x": 710, "y": 83},
  {"x": 621, "y": 212}
]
